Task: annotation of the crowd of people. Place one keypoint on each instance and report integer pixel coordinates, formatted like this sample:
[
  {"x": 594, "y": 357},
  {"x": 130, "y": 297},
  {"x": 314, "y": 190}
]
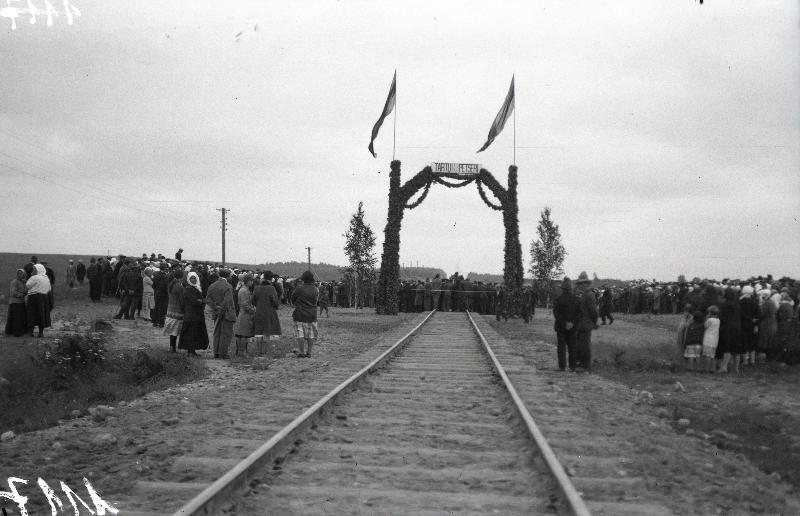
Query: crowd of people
[
  {"x": 654, "y": 297},
  {"x": 176, "y": 296},
  {"x": 724, "y": 325},
  {"x": 457, "y": 293}
]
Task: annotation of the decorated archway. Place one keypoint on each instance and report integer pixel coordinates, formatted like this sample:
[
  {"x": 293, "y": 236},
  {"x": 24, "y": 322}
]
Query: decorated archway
[{"x": 400, "y": 199}]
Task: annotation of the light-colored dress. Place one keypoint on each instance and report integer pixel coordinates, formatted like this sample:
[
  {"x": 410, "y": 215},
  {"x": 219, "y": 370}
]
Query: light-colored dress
[
  {"x": 148, "y": 296},
  {"x": 711, "y": 337}
]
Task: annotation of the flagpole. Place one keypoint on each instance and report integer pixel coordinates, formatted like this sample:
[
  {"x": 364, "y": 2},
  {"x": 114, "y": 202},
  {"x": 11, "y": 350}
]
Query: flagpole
[{"x": 394, "y": 130}]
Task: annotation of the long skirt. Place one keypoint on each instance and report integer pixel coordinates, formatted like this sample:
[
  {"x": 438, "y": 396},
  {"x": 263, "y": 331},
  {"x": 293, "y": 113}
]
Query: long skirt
[
  {"x": 38, "y": 308},
  {"x": 193, "y": 336},
  {"x": 17, "y": 322},
  {"x": 95, "y": 289},
  {"x": 749, "y": 339}
]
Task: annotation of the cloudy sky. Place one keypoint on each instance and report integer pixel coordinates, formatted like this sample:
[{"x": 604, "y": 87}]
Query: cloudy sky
[{"x": 663, "y": 135}]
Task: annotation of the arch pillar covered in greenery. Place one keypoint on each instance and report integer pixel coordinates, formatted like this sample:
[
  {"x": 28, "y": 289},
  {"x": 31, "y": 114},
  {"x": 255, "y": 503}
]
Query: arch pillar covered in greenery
[{"x": 386, "y": 301}]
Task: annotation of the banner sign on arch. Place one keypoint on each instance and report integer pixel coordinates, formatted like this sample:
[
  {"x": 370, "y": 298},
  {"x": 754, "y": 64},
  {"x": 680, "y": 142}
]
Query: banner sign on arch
[{"x": 457, "y": 169}]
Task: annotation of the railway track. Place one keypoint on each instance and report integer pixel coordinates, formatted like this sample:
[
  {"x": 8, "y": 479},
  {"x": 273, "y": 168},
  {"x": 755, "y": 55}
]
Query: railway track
[{"x": 431, "y": 426}]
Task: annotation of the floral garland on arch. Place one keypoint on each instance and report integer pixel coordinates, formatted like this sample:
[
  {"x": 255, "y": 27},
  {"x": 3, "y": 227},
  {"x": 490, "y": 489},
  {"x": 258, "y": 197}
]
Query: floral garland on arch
[
  {"x": 465, "y": 182},
  {"x": 421, "y": 197},
  {"x": 486, "y": 199}
]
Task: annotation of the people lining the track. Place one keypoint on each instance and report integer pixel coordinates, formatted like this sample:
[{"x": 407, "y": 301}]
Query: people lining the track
[
  {"x": 756, "y": 317},
  {"x": 458, "y": 294},
  {"x": 741, "y": 321}
]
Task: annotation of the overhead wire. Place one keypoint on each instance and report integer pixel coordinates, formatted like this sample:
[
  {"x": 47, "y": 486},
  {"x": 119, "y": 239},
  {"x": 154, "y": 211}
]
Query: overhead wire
[
  {"x": 125, "y": 200},
  {"x": 18, "y": 168},
  {"x": 30, "y": 159}
]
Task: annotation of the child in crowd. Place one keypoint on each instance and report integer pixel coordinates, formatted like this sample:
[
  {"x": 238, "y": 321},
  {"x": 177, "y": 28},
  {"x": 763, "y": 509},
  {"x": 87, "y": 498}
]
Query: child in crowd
[
  {"x": 711, "y": 339},
  {"x": 694, "y": 341}
]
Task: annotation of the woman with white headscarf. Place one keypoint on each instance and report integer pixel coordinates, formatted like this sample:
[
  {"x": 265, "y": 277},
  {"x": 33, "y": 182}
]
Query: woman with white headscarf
[
  {"x": 194, "y": 335},
  {"x": 38, "y": 300}
]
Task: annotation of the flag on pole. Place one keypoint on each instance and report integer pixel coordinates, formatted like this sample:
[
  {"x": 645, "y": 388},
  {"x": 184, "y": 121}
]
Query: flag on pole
[
  {"x": 386, "y": 110},
  {"x": 502, "y": 116}
]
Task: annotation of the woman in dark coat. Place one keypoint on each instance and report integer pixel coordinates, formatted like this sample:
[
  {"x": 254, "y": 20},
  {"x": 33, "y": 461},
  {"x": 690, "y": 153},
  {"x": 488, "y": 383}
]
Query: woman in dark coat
[
  {"x": 160, "y": 294},
  {"x": 265, "y": 299},
  {"x": 193, "y": 333},
  {"x": 17, "y": 321},
  {"x": 173, "y": 320},
  {"x": 750, "y": 316},
  {"x": 95, "y": 276},
  {"x": 730, "y": 332}
]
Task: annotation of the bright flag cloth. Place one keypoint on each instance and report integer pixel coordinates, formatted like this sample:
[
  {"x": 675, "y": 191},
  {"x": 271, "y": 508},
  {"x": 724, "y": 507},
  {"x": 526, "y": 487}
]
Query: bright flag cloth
[
  {"x": 386, "y": 110},
  {"x": 502, "y": 116}
]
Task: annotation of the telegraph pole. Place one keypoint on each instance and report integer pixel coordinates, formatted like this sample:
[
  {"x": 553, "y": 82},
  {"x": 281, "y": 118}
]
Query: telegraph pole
[{"x": 224, "y": 226}]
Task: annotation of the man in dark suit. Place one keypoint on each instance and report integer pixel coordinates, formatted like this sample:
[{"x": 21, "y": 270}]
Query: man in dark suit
[
  {"x": 501, "y": 303},
  {"x": 588, "y": 321},
  {"x": 29, "y": 267},
  {"x": 465, "y": 295},
  {"x": 567, "y": 312},
  {"x": 436, "y": 287},
  {"x": 128, "y": 282}
]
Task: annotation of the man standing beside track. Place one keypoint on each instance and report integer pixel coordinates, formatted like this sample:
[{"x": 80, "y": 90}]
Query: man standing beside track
[
  {"x": 567, "y": 312},
  {"x": 465, "y": 296},
  {"x": 587, "y": 323},
  {"x": 304, "y": 298},
  {"x": 447, "y": 293},
  {"x": 220, "y": 299},
  {"x": 436, "y": 290}
]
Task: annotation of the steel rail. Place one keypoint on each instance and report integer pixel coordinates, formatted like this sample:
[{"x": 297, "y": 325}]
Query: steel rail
[
  {"x": 204, "y": 502},
  {"x": 574, "y": 500}
]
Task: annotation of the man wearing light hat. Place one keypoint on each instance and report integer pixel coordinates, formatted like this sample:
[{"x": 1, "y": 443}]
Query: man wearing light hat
[{"x": 587, "y": 322}]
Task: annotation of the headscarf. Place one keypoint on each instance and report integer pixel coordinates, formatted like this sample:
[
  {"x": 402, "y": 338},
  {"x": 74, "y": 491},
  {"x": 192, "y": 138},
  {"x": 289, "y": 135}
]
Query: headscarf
[
  {"x": 22, "y": 276},
  {"x": 747, "y": 291},
  {"x": 197, "y": 283},
  {"x": 39, "y": 283},
  {"x": 776, "y": 299}
]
